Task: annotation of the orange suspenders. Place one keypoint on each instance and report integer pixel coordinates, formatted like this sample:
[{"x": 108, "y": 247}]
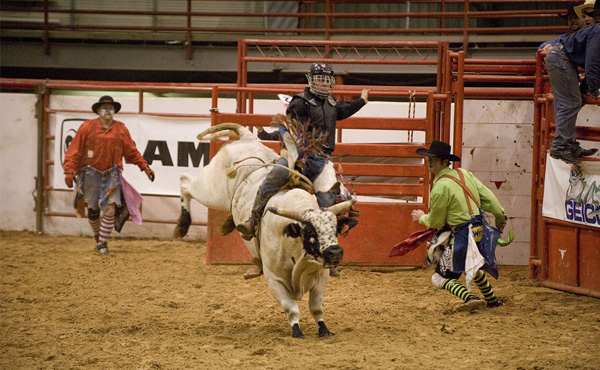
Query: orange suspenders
[{"x": 463, "y": 185}]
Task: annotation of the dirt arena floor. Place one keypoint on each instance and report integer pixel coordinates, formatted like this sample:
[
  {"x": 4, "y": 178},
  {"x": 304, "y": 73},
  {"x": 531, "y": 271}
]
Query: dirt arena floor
[{"x": 154, "y": 304}]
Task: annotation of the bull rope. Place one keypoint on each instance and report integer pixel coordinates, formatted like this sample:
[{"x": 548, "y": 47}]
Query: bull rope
[
  {"x": 231, "y": 172},
  {"x": 307, "y": 185},
  {"x": 412, "y": 103}
]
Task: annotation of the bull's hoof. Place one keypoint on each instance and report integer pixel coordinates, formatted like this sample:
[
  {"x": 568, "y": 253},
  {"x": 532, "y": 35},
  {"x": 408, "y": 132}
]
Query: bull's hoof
[
  {"x": 296, "y": 332},
  {"x": 323, "y": 331},
  {"x": 253, "y": 272}
]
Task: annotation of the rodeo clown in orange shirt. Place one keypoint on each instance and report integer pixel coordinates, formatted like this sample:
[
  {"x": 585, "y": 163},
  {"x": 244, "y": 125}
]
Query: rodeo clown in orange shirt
[{"x": 95, "y": 159}]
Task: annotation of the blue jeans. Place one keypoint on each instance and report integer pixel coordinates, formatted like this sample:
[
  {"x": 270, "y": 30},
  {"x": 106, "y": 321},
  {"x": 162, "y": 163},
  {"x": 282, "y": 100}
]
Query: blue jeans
[
  {"x": 99, "y": 188},
  {"x": 278, "y": 177},
  {"x": 564, "y": 78}
]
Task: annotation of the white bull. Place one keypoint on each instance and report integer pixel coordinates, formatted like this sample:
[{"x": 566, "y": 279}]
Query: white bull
[{"x": 296, "y": 256}]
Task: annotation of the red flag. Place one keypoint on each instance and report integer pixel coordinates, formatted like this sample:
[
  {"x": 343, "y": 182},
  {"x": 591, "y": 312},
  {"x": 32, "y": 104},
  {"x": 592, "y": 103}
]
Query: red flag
[{"x": 412, "y": 242}]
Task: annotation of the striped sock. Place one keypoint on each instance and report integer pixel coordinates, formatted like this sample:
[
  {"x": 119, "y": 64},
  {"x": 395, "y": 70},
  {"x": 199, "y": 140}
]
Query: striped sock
[
  {"x": 95, "y": 224},
  {"x": 106, "y": 228},
  {"x": 485, "y": 287},
  {"x": 457, "y": 289}
]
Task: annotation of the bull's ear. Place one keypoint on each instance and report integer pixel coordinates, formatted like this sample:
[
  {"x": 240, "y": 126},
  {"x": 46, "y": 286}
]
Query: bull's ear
[
  {"x": 344, "y": 225},
  {"x": 292, "y": 230}
]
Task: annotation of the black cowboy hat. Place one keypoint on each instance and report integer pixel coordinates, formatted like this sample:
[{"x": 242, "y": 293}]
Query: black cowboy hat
[
  {"x": 106, "y": 100},
  {"x": 570, "y": 11},
  {"x": 438, "y": 149}
]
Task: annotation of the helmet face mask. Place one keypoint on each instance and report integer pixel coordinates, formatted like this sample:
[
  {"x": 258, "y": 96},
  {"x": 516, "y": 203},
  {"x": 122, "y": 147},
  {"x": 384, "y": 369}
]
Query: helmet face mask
[{"x": 320, "y": 78}]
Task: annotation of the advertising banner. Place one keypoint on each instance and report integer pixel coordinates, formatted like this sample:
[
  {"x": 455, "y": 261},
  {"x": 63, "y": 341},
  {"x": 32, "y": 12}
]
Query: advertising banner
[
  {"x": 572, "y": 192},
  {"x": 169, "y": 145}
]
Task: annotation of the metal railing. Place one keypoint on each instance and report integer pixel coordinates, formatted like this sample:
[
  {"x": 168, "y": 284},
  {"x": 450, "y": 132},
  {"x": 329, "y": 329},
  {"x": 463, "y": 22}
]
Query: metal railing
[
  {"x": 316, "y": 19},
  {"x": 540, "y": 259}
]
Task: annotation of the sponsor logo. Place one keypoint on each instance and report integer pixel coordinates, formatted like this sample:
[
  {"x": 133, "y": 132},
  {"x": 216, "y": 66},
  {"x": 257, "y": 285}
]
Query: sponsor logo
[
  {"x": 586, "y": 213},
  {"x": 562, "y": 253},
  {"x": 68, "y": 129},
  {"x": 285, "y": 99},
  {"x": 477, "y": 233},
  {"x": 157, "y": 150},
  {"x": 582, "y": 202}
]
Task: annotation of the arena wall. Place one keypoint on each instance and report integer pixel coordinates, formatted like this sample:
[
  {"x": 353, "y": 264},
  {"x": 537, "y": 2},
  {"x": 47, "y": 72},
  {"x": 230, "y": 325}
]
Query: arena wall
[
  {"x": 497, "y": 148},
  {"x": 18, "y": 161}
]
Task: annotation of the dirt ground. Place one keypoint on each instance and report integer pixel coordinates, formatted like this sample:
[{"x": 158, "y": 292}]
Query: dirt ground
[{"x": 155, "y": 304}]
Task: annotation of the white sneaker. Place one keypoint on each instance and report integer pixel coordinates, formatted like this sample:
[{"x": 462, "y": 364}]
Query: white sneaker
[{"x": 102, "y": 248}]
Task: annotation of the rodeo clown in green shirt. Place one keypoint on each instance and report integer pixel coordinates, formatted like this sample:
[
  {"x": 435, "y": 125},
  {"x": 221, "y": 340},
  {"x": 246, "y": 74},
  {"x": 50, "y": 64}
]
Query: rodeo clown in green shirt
[{"x": 454, "y": 208}]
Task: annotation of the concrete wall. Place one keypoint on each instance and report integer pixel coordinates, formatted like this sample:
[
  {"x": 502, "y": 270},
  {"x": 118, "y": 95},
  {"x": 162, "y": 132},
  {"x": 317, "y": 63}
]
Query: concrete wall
[
  {"x": 497, "y": 148},
  {"x": 18, "y": 161}
]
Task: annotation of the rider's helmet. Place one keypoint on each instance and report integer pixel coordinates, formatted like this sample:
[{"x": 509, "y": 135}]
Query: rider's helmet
[{"x": 320, "y": 78}]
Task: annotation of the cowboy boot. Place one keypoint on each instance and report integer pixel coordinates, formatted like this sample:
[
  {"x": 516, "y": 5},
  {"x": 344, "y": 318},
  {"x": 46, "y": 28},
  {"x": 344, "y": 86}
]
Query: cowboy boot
[{"x": 248, "y": 227}]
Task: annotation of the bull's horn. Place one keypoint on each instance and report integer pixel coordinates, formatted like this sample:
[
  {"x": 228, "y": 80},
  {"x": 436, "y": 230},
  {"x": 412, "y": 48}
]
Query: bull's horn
[
  {"x": 341, "y": 207},
  {"x": 216, "y": 135},
  {"x": 221, "y": 127},
  {"x": 286, "y": 212}
]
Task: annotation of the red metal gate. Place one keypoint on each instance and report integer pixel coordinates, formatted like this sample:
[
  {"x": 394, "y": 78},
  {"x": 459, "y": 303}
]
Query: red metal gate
[
  {"x": 576, "y": 272},
  {"x": 381, "y": 224}
]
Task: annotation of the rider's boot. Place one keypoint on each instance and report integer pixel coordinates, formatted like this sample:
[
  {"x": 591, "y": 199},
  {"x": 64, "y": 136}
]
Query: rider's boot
[{"x": 248, "y": 227}]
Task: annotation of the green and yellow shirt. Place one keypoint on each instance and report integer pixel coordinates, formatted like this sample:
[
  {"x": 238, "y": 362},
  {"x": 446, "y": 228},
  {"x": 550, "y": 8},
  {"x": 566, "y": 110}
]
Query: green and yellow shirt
[{"x": 447, "y": 203}]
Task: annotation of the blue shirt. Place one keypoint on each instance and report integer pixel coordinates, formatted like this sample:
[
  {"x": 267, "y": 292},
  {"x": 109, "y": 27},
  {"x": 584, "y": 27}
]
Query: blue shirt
[
  {"x": 551, "y": 42},
  {"x": 583, "y": 49}
]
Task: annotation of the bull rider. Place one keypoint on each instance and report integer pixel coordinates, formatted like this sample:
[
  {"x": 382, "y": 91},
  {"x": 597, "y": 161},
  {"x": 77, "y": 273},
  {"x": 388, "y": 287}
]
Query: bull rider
[{"x": 316, "y": 106}]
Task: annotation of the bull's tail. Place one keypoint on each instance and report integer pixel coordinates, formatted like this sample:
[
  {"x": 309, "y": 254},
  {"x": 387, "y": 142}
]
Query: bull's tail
[
  {"x": 240, "y": 130},
  {"x": 228, "y": 225},
  {"x": 183, "y": 224},
  {"x": 185, "y": 218}
]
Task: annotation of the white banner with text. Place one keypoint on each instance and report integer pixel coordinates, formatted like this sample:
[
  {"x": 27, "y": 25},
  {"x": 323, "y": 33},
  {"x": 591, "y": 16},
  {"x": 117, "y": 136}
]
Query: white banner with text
[
  {"x": 168, "y": 144},
  {"x": 572, "y": 192}
]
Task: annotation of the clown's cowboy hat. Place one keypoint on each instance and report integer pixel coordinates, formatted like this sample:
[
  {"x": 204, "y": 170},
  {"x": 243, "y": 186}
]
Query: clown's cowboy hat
[
  {"x": 439, "y": 149},
  {"x": 106, "y": 100}
]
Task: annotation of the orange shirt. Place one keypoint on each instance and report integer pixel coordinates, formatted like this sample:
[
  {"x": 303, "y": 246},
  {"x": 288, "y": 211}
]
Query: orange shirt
[{"x": 99, "y": 148}]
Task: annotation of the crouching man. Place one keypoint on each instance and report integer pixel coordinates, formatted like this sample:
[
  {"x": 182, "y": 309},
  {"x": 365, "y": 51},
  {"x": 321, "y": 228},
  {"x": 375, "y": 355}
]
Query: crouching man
[{"x": 454, "y": 208}]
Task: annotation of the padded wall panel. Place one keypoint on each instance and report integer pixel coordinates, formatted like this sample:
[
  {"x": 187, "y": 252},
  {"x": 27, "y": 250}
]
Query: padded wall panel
[
  {"x": 562, "y": 255},
  {"x": 589, "y": 259}
]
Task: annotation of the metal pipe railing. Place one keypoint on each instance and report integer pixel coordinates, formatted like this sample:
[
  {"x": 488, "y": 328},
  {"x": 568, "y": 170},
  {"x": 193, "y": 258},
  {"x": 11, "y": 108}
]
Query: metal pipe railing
[
  {"x": 328, "y": 16},
  {"x": 541, "y": 239}
]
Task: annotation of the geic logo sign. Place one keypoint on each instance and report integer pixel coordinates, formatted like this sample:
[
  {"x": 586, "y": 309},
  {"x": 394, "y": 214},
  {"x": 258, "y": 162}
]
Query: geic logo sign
[{"x": 582, "y": 202}]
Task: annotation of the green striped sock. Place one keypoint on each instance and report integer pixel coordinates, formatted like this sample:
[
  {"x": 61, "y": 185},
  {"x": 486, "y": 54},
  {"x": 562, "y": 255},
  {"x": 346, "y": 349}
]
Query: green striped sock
[
  {"x": 457, "y": 289},
  {"x": 485, "y": 287}
]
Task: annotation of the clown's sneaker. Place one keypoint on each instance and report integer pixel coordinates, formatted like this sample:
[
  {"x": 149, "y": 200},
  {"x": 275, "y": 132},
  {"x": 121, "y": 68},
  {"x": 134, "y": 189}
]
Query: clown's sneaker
[
  {"x": 471, "y": 304},
  {"x": 102, "y": 248}
]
